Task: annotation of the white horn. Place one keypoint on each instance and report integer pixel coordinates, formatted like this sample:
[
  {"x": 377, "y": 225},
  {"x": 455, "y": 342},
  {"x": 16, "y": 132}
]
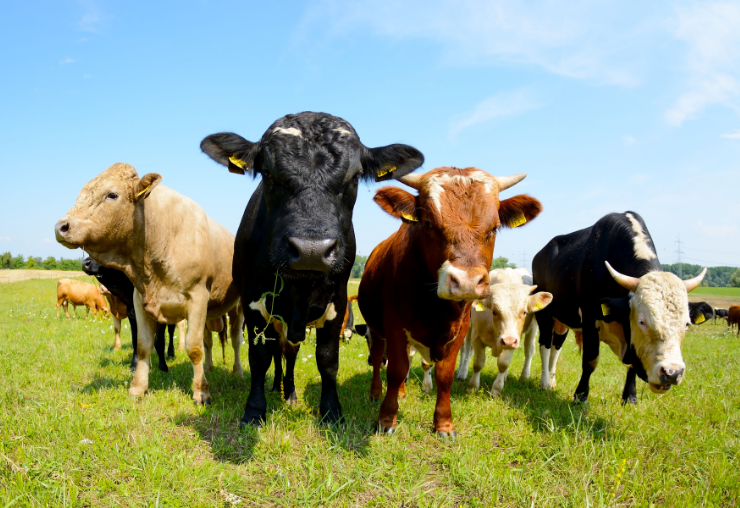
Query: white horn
[
  {"x": 692, "y": 284},
  {"x": 504, "y": 182},
  {"x": 412, "y": 180},
  {"x": 625, "y": 281}
]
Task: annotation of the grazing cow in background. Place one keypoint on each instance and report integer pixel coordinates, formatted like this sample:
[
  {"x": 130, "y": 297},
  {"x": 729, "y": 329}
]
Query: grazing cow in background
[
  {"x": 122, "y": 290},
  {"x": 297, "y": 231},
  {"x": 733, "y": 317},
  {"x": 700, "y": 312},
  {"x": 498, "y": 322},
  {"x": 446, "y": 241},
  {"x": 137, "y": 226},
  {"x": 80, "y": 293},
  {"x": 117, "y": 312},
  {"x": 608, "y": 284},
  {"x": 720, "y": 313}
]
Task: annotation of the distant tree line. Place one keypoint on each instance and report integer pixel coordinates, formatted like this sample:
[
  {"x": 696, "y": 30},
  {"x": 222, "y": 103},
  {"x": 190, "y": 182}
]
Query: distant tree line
[
  {"x": 716, "y": 277},
  {"x": 8, "y": 261}
]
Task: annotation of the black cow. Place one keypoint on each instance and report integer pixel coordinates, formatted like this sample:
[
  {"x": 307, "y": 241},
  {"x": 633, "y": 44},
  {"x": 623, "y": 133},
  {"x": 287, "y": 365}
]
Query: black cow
[
  {"x": 642, "y": 316},
  {"x": 700, "y": 312},
  {"x": 120, "y": 285},
  {"x": 720, "y": 313},
  {"x": 297, "y": 230}
]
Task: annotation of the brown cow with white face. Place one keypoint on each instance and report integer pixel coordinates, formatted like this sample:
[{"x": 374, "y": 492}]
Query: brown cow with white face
[
  {"x": 178, "y": 258},
  {"x": 419, "y": 283}
]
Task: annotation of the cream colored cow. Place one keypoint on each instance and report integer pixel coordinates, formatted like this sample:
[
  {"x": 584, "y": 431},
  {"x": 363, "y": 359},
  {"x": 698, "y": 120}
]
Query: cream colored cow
[
  {"x": 178, "y": 258},
  {"x": 498, "y": 321}
]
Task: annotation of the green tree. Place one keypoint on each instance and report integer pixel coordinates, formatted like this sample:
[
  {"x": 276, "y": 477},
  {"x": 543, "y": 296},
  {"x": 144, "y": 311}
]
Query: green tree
[
  {"x": 735, "y": 278},
  {"x": 5, "y": 260},
  {"x": 502, "y": 262},
  {"x": 18, "y": 262},
  {"x": 32, "y": 262},
  {"x": 50, "y": 263},
  {"x": 358, "y": 267}
]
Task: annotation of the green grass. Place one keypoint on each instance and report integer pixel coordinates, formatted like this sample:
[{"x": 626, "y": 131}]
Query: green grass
[
  {"x": 63, "y": 384},
  {"x": 732, "y": 292}
]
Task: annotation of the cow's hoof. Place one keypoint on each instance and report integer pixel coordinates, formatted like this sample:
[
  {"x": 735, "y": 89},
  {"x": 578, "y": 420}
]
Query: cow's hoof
[
  {"x": 553, "y": 382},
  {"x": 254, "y": 423},
  {"x": 163, "y": 367},
  {"x": 292, "y": 399},
  {"x": 579, "y": 399},
  {"x": 545, "y": 386},
  {"x": 495, "y": 392},
  {"x": 132, "y": 369},
  {"x": 332, "y": 418},
  {"x": 374, "y": 398},
  {"x": 171, "y": 355},
  {"x": 206, "y": 402},
  {"x": 388, "y": 431},
  {"x": 425, "y": 388},
  {"x": 447, "y": 436},
  {"x": 275, "y": 388},
  {"x": 461, "y": 377},
  {"x": 208, "y": 368},
  {"x": 137, "y": 391},
  {"x": 631, "y": 400},
  {"x": 238, "y": 371},
  {"x": 470, "y": 389}
]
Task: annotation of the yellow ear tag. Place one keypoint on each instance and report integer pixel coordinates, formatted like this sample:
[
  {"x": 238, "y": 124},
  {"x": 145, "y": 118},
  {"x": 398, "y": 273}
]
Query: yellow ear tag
[
  {"x": 479, "y": 307},
  {"x": 538, "y": 306},
  {"x": 142, "y": 192},
  {"x": 517, "y": 221},
  {"x": 409, "y": 217},
  {"x": 385, "y": 170},
  {"x": 700, "y": 319},
  {"x": 605, "y": 309},
  {"x": 238, "y": 162}
]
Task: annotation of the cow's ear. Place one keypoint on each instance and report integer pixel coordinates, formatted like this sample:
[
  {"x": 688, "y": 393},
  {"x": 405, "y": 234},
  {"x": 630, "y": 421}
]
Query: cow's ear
[
  {"x": 397, "y": 202},
  {"x": 392, "y": 161},
  {"x": 613, "y": 309},
  {"x": 539, "y": 301},
  {"x": 146, "y": 185},
  {"x": 231, "y": 150},
  {"x": 518, "y": 210}
]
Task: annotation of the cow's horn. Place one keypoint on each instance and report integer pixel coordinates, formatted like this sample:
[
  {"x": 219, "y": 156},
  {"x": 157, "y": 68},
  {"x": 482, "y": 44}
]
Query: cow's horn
[
  {"x": 625, "y": 281},
  {"x": 692, "y": 284},
  {"x": 412, "y": 180},
  {"x": 504, "y": 182}
]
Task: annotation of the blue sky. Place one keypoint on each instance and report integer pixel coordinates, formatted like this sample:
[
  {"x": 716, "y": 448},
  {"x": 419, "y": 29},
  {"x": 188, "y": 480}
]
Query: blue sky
[{"x": 608, "y": 106}]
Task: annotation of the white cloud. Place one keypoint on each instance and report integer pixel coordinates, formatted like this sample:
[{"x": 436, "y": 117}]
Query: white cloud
[
  {"x": 711, "y": 32},
  {"x": 628, "y": 140},
  {"x": 5, "y": 239},
  {"x": 48, "y": 240},
  {"x": 573, "y": 39},
  {"x": 92, "y": 17},
  {"x": 500, "y": 105},
  {"x": 731, "y": 135},
  {"x": 67, "y": 60}
]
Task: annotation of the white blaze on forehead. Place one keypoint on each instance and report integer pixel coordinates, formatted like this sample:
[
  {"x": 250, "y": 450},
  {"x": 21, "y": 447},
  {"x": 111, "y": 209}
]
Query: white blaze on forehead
[
  {"x": 435, "y": 186},
  {"x": 640, "y": 241},
  {"x": 329, "y": 314},
  {"x": 291, "y": 131}
]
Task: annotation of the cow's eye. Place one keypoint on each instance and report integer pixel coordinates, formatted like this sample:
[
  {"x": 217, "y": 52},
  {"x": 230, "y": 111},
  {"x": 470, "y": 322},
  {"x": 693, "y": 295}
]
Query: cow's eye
[
  {"x": 642, "y": 322},
  {"x": 427, "y": 223},
  {"x": 112, "y": 196}
]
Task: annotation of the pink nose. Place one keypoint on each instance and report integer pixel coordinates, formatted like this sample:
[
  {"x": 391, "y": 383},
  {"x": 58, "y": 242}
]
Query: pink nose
[
  {"x": 469, "y": 285},
  {"x": 510, "y": 342}
]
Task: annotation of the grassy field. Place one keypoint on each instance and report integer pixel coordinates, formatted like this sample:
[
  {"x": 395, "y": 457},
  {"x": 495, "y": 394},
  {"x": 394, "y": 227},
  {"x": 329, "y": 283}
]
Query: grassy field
[
  {"x": 728, "y": 292},
  {"x": 71, "y": 436}
]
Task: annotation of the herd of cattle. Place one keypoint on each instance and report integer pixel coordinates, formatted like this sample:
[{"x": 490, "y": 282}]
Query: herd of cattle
[{"x": 426, "y": 289}]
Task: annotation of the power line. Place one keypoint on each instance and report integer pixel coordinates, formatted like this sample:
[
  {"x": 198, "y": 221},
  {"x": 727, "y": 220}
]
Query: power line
[{"x": 678, "y": 254}]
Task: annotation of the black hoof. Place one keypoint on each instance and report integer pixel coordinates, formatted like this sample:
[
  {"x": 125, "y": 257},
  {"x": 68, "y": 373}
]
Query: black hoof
[
  {"x": 388, "y": 431},
  {"x": 579, "y": 399},
  {"x": 445, "y": 436},
  {"x": 163, "y": 367},
  {"x": 202, "y": 402},
  {"x": 292, "y": 399},
  {"x": 631, "y": 400},
  {"x": 171, "y": 355},
  {"x": 333, "y": 418},
  {"x": 252, "y": 421},
  {"x": 373, "y": 399},
  {"x": 132, "y": 369}
]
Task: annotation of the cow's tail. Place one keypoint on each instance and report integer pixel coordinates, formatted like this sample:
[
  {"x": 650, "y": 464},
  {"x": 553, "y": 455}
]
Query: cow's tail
[{"x": 579, "y": 341}]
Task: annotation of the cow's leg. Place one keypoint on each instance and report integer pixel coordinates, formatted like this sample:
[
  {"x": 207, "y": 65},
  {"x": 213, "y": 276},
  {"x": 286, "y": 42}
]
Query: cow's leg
[
  {"x": 208, "y": 343},
  {"x": 589, "y": 361},
  {"x": 181, "y": 330},
  {"x": 426, "y": 385},
  {"x": 260, "y": 354},
  {"x": 327, "y": 360},
  {"x": 629, "y": 395},
  {"x": 65, "y": 304},
  {"x": 117, "y": 329},
  {"x": 236, "y": 324},
  {"x": 131, "y": 312},
  {"x": 466, "y": 353},
  {"x": 147, "y": 329},
  {"x": 171, "y": 349},
  {"x": 557, "y": 343},
  {"x": 529, "y": 347},
  {"x": 398, "y": 366},
  {"x": 159, "y": 346},
  {"x": 479, "y": 361},
  {"x": 504, "y": 360},
  {"x": 545, "y": 323},
  {"x": 444, "y": 373},
  {"x": 377, "y": 352},
  {"x": 277, "y": 357},
  {"x": 289, "y": 393}
]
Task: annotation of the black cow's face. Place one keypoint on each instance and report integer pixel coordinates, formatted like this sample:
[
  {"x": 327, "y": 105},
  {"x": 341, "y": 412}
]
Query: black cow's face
[
  {"x": 311, "y": 165},
  {"x": 109, "y": 277}
]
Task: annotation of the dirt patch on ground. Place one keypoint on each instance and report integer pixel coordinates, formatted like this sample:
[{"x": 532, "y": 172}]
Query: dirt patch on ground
[
  {"x": 723, "y": 302},
  {"x": 18, "y": 275}
]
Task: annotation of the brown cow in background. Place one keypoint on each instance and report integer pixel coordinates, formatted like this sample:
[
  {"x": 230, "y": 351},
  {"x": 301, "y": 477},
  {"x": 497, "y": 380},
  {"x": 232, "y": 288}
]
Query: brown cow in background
[
  {"x": 733, "y": 317},
  {"x": 80, "y": 293},
  {"x": 445, "y": 243}
]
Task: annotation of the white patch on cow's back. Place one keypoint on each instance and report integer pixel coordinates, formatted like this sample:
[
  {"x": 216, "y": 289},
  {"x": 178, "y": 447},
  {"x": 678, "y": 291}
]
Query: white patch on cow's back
[
  {"x": 435, "y": 186},
  {"x": 329, "y": 314},
  {"x": 291, "y": 131},
  {"x": 420, "y": 348},
  {"x": 343, "y": 131},
  {"x": 642, "y": 249}
]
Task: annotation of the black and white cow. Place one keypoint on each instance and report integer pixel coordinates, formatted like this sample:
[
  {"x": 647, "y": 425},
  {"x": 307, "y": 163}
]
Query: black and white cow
[
  {"x": 608, "y": 284},
  {"x": 120, "y": 286},
  {"x": 720, "y": 313},
  {"x": 700, "y": 312},
  {"x": 298, "y": 224}
]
